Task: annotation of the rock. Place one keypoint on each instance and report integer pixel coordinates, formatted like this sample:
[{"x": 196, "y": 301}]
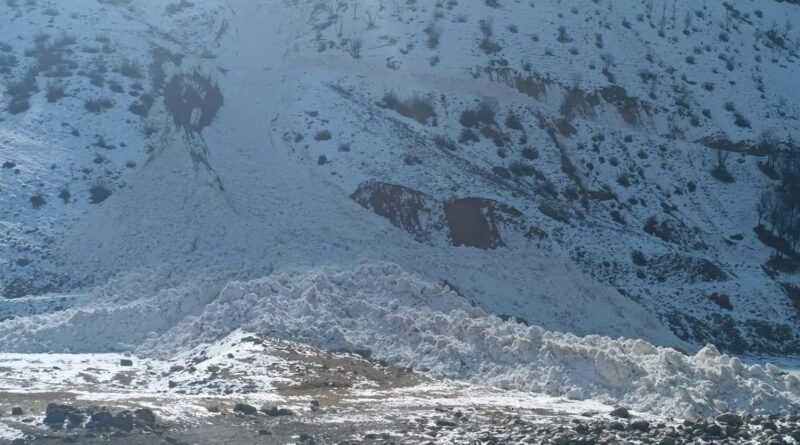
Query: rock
[
  {"x": 75, "y": 419},
  {"x": 144, "y": 417},
  {"x": 56, "y": 415},
  {"x": 561, "y": 440},
  {"x": 245, "y": 409},
  {"x": 667, "y": 441},
  {"x": 729, "y": 419},
  {"x": 616, "y": 426},
  {"x": 769, "y": 425},
  {"x": 305, "y": 439},
  {"x": 100, "y": 420},
  {"x": 18, "y": 441},
  {"x": 714, "y": 430},
  {"x": 16, "y": 411},
  {"x": 264, "y": 433},
  {"x": 126, "y": 362},
  {"x": 274, "y": 411},
  {"x": 581, "y": 429},
  {"x": 445, "y": 423},
  {"x": 620, "y": 412},
  {"x": 213, "y": 409},
  {"x": 640, "y": 425}
]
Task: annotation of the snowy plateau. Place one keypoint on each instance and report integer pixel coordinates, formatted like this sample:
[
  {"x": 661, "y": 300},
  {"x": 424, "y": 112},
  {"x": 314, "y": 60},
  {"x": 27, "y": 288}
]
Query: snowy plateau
[{"x": 399, "y": 221}]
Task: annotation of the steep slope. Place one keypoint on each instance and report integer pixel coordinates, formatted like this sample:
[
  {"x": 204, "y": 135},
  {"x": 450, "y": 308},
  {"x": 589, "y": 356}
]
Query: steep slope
[
  {"x": 632, "y": 140},
  {"x": 232, "y": 198},
  {"x": 556, "y": 169}
]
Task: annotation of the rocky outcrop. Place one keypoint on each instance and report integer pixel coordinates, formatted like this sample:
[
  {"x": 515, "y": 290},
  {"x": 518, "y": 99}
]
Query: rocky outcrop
[{"x": 472, "y": 222}]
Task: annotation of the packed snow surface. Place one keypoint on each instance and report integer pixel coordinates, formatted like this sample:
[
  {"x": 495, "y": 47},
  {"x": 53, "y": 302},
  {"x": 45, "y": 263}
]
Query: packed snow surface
[{"x": 408, "y": 321}]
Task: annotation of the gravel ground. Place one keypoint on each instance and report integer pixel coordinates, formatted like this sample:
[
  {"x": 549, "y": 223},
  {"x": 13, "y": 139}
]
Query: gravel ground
[{"x": 247, "y": 424}]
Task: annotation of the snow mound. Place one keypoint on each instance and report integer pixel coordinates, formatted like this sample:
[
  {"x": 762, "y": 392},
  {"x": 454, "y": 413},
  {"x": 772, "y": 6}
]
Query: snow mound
[{"x": 407, "y": 321}]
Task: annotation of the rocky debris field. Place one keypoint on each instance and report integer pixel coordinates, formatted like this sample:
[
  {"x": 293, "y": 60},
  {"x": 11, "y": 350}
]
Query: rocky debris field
[{"x": 242, "y": 423}]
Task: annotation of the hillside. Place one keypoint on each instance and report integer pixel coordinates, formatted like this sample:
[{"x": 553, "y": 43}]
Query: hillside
[{"x": 581, "y": 171}]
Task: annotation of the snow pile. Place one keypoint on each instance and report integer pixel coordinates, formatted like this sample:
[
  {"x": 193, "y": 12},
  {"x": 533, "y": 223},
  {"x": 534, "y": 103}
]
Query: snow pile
[{"x": 407, "y": 321}]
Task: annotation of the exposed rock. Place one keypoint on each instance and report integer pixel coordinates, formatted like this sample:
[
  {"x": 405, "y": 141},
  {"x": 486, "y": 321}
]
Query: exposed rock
[
  {"x": 413, "y": 211},
  {"x": 640, "y": 425},
  {"x": 620, "y": 412},
  {"x": 274, "y": 411},
  {"x": 56, "y": 415},
  {"x": 473, "y": 222},
  {"x": 729, "y": 419},
  {"x": 244, "y": 408},
  {"x": 306, "y": 439}
]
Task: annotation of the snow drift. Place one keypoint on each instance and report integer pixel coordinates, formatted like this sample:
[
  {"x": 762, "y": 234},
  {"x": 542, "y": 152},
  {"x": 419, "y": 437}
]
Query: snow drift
[{"x": 407, "y": 321}]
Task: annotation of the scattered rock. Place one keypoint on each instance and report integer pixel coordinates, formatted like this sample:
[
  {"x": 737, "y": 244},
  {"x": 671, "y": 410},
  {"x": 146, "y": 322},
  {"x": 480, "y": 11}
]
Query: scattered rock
[
  {"x": 729, "y": 419},
  {"x": 56, "y": 415},
  {"x": 244, "y": 408},
  {"x": 640, "y": 425},
  {"x": 620, "y": 412},
  {"x": 274, "y": 411},
  {"x": 144, "y": 417},
  {"x": 306, "y": 439},
  {"x": 16, "y": 411}
]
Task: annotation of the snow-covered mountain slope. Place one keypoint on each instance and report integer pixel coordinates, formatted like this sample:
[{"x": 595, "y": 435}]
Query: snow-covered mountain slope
[
  {"x": 236, "y": 197},
  {"x": 549, "y": 162}
]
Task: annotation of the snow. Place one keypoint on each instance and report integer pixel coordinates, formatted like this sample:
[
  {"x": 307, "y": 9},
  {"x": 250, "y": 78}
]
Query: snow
[
  {"x": 180, "y": 263},
  {"x": 408, "y": 321},
  {"x": 8, "y": 433}
]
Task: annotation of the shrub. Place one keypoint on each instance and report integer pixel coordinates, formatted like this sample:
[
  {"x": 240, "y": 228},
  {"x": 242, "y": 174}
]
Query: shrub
[
  {"x": 513, "y": 122},
  {"x": 65, "y": 195},
  {"x": 530, "y": 153},
  {"x": 444, "y": 142},
  {"x": 98, "y": 105},
  {"x": 519, "y": 168},
  {"x": 323, "y": 135},
  {"x": 129, "y": 69},
  {"x": 638, "y": 258},
  {"x": 37, "y": 201},
  {"x": 99, "y": 193},
  {"x": 55, "y": 91},
  {"x": 417, "y": 108}
]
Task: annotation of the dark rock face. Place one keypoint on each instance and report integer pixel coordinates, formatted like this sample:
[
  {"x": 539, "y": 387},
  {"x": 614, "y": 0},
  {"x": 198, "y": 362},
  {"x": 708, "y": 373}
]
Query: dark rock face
[
  {"x": 404, "y": 207},
  {"x": 472, "y": 222},
  {"x": 192, "y": 100}
]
